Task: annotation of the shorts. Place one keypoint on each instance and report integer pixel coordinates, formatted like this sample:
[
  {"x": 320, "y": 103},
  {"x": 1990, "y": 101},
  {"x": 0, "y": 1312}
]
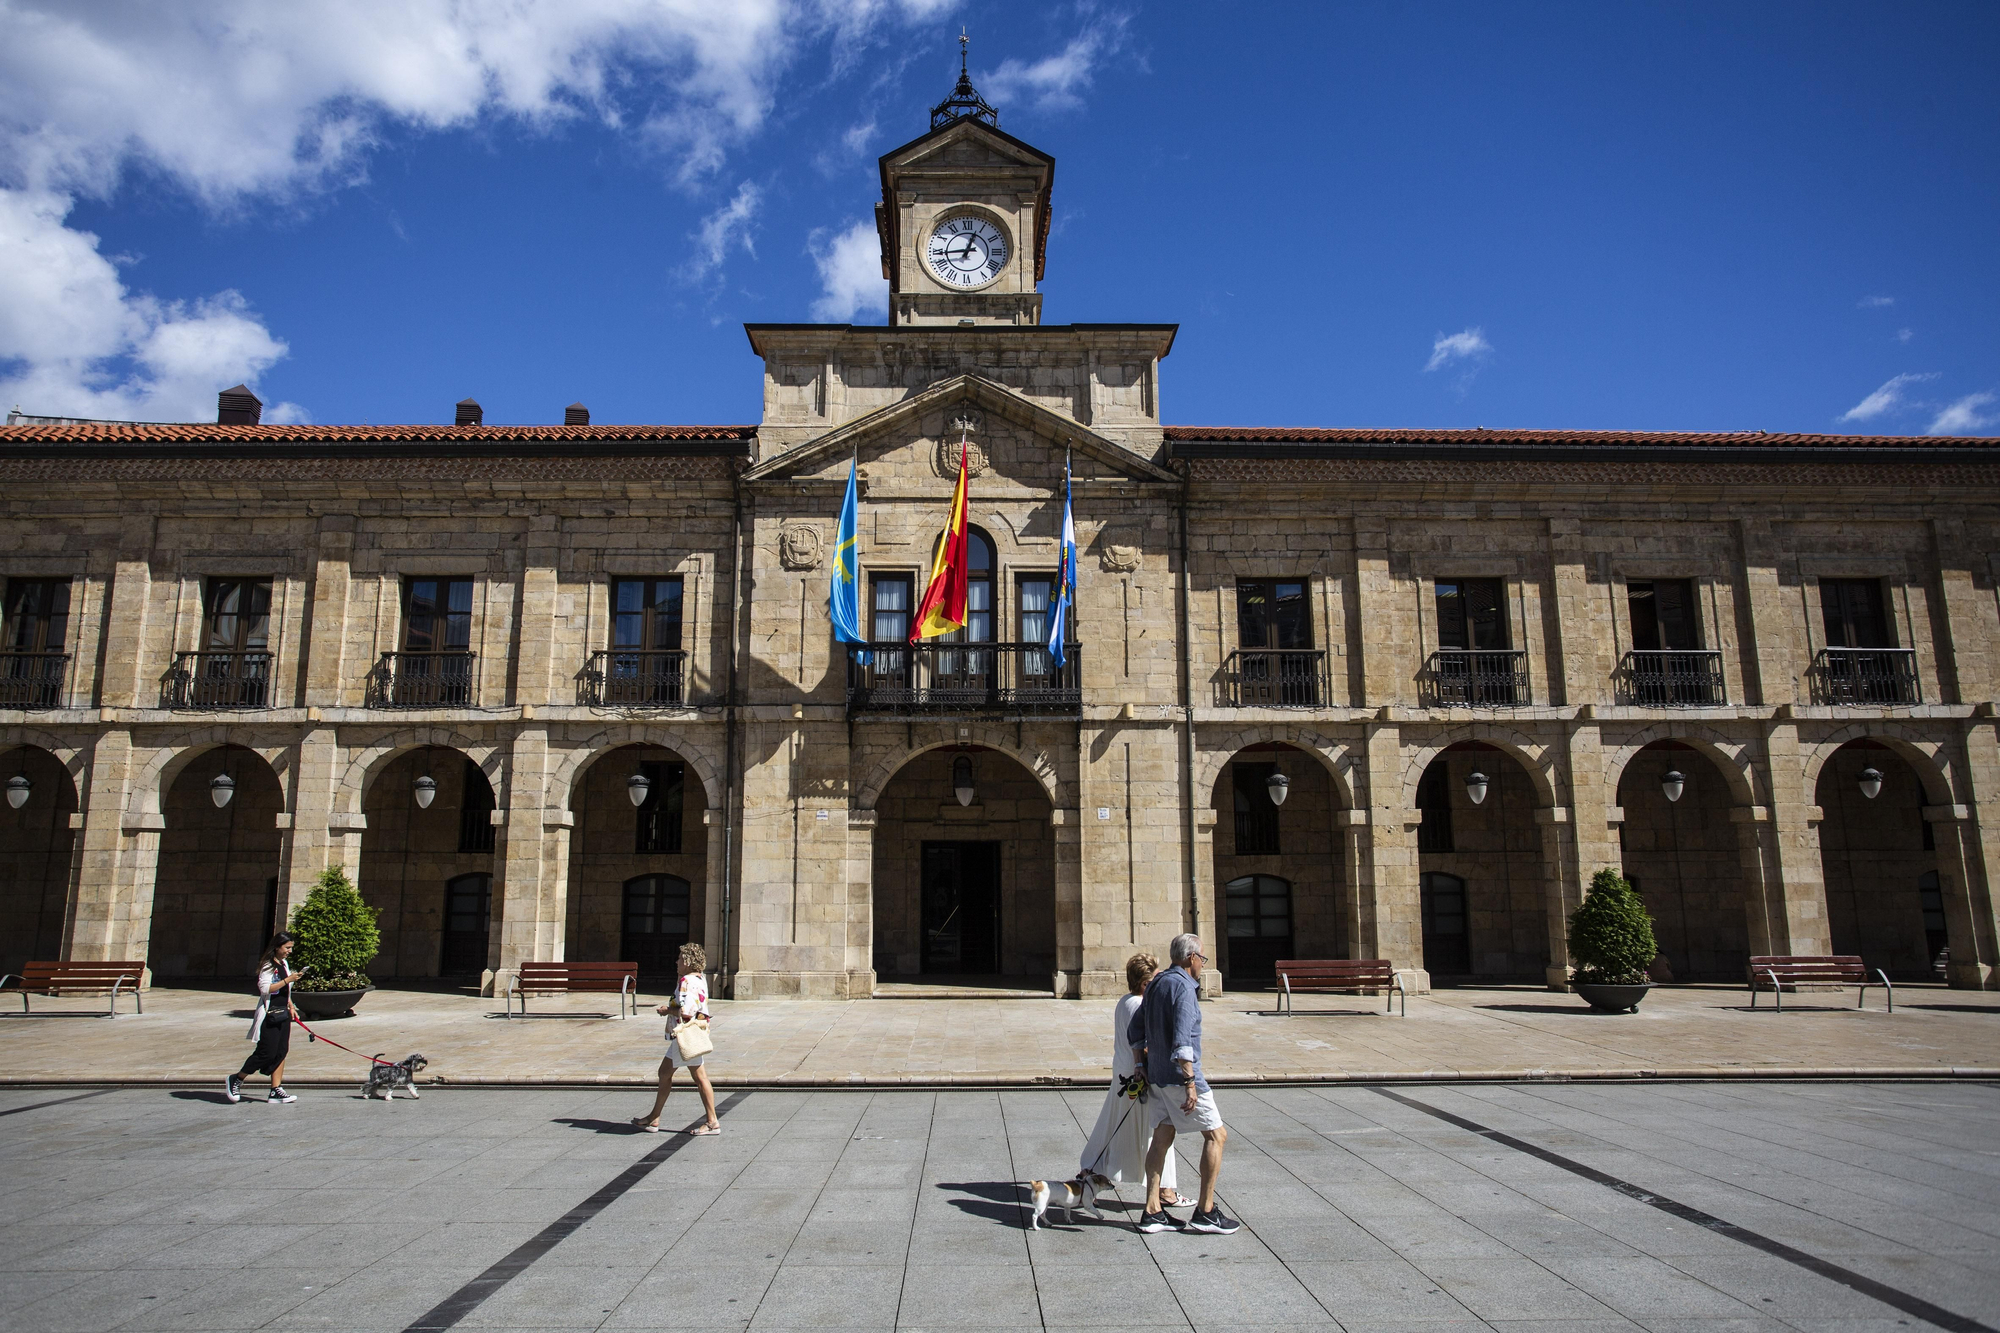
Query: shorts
[
  {"x": 1164, "y": 1104},
  {"x": 674, "y": 1054}
]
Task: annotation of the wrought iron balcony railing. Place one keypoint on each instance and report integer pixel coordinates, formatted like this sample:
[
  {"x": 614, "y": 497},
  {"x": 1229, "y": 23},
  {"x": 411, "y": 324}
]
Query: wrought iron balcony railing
[
  {"x": 935, "y": 677},
  {"x": 218, "y": 680},
  {"x": 1865, "y": 676},
  {"x": 1274, "y": 678},
  {"x": 621, "y": 678},
  {"x": 1677, "y": 678},
  {"x": 1476, "y": 678},
  {"x": 32, "y": 680},
  {"x": 424, "y": 680}
]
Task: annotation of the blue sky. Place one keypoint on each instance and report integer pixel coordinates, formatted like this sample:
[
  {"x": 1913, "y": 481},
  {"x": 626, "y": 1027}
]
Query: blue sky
[{"x": 1690, "y": 217}]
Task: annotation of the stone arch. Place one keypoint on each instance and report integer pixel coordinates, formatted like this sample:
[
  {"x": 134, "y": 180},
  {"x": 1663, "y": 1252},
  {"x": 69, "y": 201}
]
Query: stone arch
[
  {"x": 1926, "y": 756},
  {"x": 74, "y": 758},
  {"x": 576, "y": 759},
  {"x": 369, "y": 761},
  {"x": 1535, "y": 758},
  {"x": 1038, "y": 764},
  {"x": 173, "y": 755},
  {"x": 1214, "y": 755},
  {"x": 1733, "y": 758}
]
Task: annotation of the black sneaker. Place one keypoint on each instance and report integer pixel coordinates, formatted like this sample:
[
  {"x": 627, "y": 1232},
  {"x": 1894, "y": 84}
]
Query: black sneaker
[
  {"x": 1215, "y": 1222},
  {"x": 280, "y": 1095},
  {"x": 230, "y": 1090},
  {"x": 1160, "y": 1221}
]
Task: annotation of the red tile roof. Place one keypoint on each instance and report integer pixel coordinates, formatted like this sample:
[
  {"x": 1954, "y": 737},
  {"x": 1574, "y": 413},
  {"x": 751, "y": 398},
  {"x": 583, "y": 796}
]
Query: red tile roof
[
  {"x": 1756, "y": 439},
  {"x": 210, "y": 433}
]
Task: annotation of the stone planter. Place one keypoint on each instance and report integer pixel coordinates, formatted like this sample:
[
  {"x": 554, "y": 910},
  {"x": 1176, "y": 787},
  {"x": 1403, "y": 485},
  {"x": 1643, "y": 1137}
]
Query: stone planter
[
  {"x": 328, "y": 1003},
  {"x": 1611, "y": 999}
]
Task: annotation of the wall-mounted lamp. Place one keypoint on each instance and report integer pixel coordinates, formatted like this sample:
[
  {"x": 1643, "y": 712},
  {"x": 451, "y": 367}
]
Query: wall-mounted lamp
[
  {"x": 221, "y": 789},
  {"x": 1871, "y": 782},
  {"x": 1475, "y": 786},
  {"x": 1279, "y": 786},
  {"x": 427, "y": 791},
  {"x": 18, "y": 788},
  {"x": 1673, "y": 784},
  {"x": 961, "y": 779},
  {"x": 637, "y": 788}
]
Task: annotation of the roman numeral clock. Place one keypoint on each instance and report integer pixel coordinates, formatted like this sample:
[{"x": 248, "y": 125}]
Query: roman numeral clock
[{"x": 967, "y": 251}]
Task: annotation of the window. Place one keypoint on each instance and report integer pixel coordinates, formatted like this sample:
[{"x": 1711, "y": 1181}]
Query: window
[
  {"x": 1663, "y": 615},
  {"x": 437, "y": 615},
  {"x": 656, "y": 923},
  {"x": 659, "y": 829},
  {"x": 37, "y": 615},
  {"x": 889, "y": 598},
  {"x": 1472, "y": 614},
  {"x": 1434, "y": 799},
  {"x": 238, "y": 616},
  {"x": 1272, "y": 614},
  {"x": 1855, "y": 615},
  {"x": 646, "y": 615},
  {"x": 1256, "y": 815},
  {"x": 1035, "y": 602},
  {"x": 475, "y": 812}
]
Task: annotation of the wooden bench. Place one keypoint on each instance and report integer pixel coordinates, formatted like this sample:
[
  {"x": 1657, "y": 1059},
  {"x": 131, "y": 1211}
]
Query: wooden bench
[
  {"x": 55, "y": 978},
  {"x": 1774, "y": 972},
  {"x": 573, "y": 978},
  {"x": 1342, "y": 974}
]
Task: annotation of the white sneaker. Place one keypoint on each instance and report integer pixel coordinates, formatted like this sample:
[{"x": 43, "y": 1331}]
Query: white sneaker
[{"x": 229, "y": 1089}]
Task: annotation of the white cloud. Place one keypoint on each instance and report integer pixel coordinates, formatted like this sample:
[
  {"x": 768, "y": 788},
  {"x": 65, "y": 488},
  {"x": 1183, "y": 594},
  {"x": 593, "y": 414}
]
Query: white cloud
[
  {"x": 1904, "y": 335},
  {"x": 75, "y": 342},
  {"x": 850, "y": 275},
  {"x": 1967, "y": 416},
  {"x": 1889, "y": 396},
  {"x": 1874, "y": 302},
  {"x": 1055, "y": 83},
  {"x": 1469, "y": 346},
  {"x": 725, "y": 229}
]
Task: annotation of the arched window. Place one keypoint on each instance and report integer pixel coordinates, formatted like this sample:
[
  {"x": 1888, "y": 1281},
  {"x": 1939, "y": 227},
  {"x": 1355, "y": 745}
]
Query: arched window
[
  {"x": 1447, "y": 945},
  {"x": 467, "y": 904},
  {"x": 656, "y": 924},
  {"x": 1258, "y": 915},
  {"x": 979, "y": 564}
]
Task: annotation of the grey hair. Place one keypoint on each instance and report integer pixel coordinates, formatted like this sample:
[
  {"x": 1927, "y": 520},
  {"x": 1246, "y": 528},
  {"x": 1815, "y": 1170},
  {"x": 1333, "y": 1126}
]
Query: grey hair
[{"x": 1183, "y": 948}]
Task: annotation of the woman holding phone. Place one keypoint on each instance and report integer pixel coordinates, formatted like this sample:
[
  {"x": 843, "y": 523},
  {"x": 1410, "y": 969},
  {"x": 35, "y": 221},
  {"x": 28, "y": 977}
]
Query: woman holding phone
[{"x": 271, "y": 1025}]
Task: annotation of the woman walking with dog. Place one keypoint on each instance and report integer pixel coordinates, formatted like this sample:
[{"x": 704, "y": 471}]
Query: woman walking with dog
[
  {"x": 271, "y": 1025},
  {"x": 687, "y": 1041},
  {"x": 1117, "y": 1147}
]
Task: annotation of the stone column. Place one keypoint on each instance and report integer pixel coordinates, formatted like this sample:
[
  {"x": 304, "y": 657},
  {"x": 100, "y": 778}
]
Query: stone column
[
  {"x": 532, "y": 888},
  {"x": 317, "y": 764},
  {"x": 1972, "y": 830},
  {"x": 1763, "y": 877},
  {"x": 125, "y": 666},
  {"x": 534, "y": 655},
  {"x": 1391, "y": 907},
  {"x": 1770, "y": 663},
  {"x": 1797, "y": 921},
  {"x": 1591, "y": 843},
  {"x": 1068, "y": 831},
  {"x": 858, "y": 872},
  {"x": 1562, "y": 894},
  {"x": 109, "y": 922},
  {"x": 325, "y": 645},
  {"x": 1204, "y": 892}
]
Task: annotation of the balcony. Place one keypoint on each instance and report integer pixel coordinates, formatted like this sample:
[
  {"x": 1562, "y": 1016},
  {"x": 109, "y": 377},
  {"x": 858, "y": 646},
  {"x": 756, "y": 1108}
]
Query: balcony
[
  {"x": 218, "y": 680},
  {"x": 624, "y": 679},
  {"x": 424, "y": 680},
  {"x": 962, "y": 678},
  {"x": 1476, "y": 678},
  {"x": 1274, "y": 678},
  {"x": 1681, "y": 678},
  {"x": 1873, "y": 676},
  {"x": 32, "y": 680}
]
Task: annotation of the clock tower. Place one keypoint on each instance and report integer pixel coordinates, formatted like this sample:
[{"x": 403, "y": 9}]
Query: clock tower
[{"x": 964, "y": 219}]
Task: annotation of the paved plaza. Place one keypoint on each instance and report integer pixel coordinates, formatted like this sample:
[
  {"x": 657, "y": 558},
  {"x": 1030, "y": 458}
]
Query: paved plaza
[{"x": 1668, "y": 1207}]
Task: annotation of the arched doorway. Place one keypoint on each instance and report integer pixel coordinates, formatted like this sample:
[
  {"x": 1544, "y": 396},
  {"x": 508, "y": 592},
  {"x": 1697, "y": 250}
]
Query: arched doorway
[
  {"x": 638, "y": 874},
  {"x": 215, "y": 898},
  {"x": 1481, "y": 868},
  {"x": 427, "y": 868},
  {"x": 1875, "y": 854},
  {"x": 1279, "y": 871},
  {"x": 36, "y": 843},
  {"x": 1685, "y": 858},
  {"x": 965, "y": 891}
]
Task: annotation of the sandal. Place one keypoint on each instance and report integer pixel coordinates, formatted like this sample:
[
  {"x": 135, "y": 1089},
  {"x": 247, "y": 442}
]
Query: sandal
[
  {"x": 1171, "y": 1199},
  {"x": 703, "y": 1131},
  {"x": 646, "y": 1126}
]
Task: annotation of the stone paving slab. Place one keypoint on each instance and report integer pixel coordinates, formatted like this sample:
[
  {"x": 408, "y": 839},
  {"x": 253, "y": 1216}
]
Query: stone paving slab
[{"x": 1450, "y": 1035}]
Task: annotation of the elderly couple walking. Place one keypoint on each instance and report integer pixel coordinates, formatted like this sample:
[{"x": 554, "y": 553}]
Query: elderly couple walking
[{"x": 1157, "y": 1091}]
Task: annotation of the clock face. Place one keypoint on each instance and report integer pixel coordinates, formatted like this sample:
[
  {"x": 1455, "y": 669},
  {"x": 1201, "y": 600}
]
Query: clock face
[{"x": 966, "y": 251}]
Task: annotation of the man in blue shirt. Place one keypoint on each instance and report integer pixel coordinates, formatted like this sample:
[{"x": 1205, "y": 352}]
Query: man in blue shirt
[{"x": 1165, "y": 1036}]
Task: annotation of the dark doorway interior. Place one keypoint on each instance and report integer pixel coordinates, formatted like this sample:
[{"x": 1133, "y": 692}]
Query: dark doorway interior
[
  {"x": 467, "y": 900},
  {"x": 1259, "y": 925},
  {"x": 1447, "y": 945},
  {"x": 961, "y": 908},
  {"x": 656, "y": 926}
]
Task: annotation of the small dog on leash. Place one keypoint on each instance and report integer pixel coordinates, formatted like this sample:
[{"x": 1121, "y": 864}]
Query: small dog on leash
[
  {"x": 1067, "y": 1194},
  {"x": 386, "y": 1078}
]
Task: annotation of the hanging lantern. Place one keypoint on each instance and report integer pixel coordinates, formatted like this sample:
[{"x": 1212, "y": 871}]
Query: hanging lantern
[
  {"x": 427, "y": 791},
  {"x": 1279, "y": 786},
  {"x": 1871, "y": 782},
  {"x": 637, "y": 788},
  {"x": 221, "y": 789},
  {"x": 1475, "y": 786},
  {"x": 1673, "y": 784},
  {"x": 961, "y": 779},
  {"x": 18, "y": 788}
]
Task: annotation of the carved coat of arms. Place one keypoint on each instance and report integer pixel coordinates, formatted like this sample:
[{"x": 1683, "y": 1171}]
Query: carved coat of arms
[
  {"x": 800, "y": 546},
  {"x": 959, "y": 429}
]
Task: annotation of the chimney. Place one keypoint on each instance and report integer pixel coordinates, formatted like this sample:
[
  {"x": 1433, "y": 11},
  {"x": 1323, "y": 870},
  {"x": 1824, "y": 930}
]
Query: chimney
[
  {"x": 238, "y": 407},
  {"x": 576, "y": 414},
  {"x": 469, "y": 413}
]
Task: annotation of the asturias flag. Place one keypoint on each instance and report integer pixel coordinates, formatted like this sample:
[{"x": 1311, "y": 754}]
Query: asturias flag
[
  {"x": 843, "y": 600},
  {"x": 943, "y": 607},
  {"x": 1065, "y": 579}
]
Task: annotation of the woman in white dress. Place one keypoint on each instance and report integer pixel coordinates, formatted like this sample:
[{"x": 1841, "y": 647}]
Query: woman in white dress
[
  {"x": 1117, "y": 1147},
  {"x": 689, "y": 1005}
]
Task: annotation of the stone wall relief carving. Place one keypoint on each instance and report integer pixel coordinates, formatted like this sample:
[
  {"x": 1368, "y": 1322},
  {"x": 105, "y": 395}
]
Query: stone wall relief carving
[
  {"x": 801, "y": 546},
  {"x": 960, "y": 427}
]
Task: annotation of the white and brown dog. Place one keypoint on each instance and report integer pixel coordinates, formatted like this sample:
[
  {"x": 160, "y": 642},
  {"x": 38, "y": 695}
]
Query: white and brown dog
[{"x": 1067, "y": 1194}]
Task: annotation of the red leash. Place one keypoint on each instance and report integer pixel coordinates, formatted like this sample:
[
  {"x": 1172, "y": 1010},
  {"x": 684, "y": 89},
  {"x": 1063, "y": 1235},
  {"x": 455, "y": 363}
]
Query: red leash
[{"x": 314, "y": 1036}]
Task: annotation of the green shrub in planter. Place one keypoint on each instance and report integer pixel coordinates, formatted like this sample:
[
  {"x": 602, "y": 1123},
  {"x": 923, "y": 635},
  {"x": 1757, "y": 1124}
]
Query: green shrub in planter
[
  {"x": 336, "y": 934},
  {"x": 1611, "y": 936}
]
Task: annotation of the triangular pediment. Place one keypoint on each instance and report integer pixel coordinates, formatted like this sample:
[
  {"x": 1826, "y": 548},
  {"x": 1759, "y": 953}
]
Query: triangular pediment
[
  {"x": 965, "y": 144},
  {"x": 1017, "y": 438}
]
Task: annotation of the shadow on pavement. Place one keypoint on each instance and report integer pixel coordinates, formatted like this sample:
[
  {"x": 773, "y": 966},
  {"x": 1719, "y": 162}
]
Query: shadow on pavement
[
  {"x": 996, "y": 1201},
  {"x": 600, "y": 1126}
]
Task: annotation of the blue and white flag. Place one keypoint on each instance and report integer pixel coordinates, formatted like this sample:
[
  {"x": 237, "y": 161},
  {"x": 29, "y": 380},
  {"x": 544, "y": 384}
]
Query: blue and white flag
[
  {"x": 1065, "y": 578},
  {"x": 843, "y": 601}
]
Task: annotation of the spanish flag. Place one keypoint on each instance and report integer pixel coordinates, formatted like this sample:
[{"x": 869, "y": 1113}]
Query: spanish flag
[{"x": 943, "y": 607}]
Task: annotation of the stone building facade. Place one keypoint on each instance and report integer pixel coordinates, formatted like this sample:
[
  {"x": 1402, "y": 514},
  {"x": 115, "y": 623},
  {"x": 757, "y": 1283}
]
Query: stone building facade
[{"x": 1479, "y": 659}]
